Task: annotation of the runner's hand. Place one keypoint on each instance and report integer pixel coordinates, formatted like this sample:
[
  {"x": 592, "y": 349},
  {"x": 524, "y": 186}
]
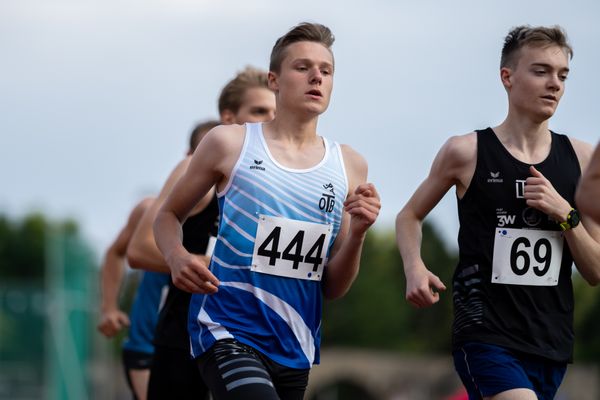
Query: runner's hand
[
  {"x": 363, "y": 206},
  {"x": 112, "y": 322},
  {"x": 422, "y": 287},
  {"x": 541, "y": 195},
  {"x": 190, "y": 273}
]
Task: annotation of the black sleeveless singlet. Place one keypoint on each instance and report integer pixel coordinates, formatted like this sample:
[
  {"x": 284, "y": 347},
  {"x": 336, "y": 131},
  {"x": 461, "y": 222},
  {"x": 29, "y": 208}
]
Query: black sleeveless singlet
[
  {"x": 171, "y": 329},
  {"x": 534, "y": 313}
]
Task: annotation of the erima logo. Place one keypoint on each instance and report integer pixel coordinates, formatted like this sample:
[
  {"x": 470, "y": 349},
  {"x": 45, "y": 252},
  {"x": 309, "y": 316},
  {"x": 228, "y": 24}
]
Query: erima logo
[
  {"x": 495, "y": 177},
  {"x": 257, "y": 165}
]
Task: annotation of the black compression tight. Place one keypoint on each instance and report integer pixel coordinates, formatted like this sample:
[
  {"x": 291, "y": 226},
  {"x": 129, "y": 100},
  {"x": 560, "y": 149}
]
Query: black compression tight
[{"x": 234, "y": 371}]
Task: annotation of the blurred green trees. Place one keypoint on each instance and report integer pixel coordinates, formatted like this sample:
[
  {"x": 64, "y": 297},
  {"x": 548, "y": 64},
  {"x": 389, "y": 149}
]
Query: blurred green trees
[
  {"x": 22, "y": 246},
  {"x": 22, "y": 285},
  {"x": 375, "y": 314},
  {"x": 46, "y": 303}
]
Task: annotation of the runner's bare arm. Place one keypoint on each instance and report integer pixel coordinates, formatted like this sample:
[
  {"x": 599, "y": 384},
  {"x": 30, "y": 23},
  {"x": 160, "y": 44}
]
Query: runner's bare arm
[
  {"x": 114, "y": 319},
  {"x": 361, "y": 209},
  {"x": 588, "y": 191},
  {"x": 211, "y": 165},
  {"x": 454, "y": 165},
  {"x": 143, "y": 252},
  {"x": 584, "y": 240}
]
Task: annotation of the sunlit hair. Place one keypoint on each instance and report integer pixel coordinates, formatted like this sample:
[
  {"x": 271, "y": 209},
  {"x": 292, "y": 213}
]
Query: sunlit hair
[
  {"x": 232, "y": 94},
  {"x": 303, "y": 32},
  {"x": 539, "y": 36},
  {"x": 199, "y": 131}
]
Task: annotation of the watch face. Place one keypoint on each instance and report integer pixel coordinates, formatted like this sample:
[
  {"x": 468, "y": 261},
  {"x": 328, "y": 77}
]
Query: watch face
[{"x": 574, "y": 218}]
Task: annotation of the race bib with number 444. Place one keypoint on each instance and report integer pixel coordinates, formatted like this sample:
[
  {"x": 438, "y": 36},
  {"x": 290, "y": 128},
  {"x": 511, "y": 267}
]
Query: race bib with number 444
[
  {"x": 290, "y": 248},
  {"x": 527, "y": 257}
]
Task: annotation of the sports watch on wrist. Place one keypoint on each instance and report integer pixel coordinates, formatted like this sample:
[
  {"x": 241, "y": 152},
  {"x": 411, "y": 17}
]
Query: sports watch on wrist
[{"x": 572, "y": 221}]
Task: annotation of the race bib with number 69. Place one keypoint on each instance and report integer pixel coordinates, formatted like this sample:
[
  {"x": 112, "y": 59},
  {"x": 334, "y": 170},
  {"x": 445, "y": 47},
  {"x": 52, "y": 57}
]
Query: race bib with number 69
[
  {"x": 527, "y": 257},
  {"x": 290, "y": 248}
]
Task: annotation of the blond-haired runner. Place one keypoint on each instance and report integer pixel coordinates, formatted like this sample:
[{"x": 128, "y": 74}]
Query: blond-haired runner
[{"x": 294, "y": 211}]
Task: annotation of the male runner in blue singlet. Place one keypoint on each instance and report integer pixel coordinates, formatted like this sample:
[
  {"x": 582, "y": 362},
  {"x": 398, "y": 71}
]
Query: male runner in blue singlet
[{"x": 294, "y": 210}]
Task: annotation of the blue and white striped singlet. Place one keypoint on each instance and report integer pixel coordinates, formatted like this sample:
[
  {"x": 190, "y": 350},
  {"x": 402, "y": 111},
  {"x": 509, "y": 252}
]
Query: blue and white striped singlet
[{"x": 262, "y": 306}]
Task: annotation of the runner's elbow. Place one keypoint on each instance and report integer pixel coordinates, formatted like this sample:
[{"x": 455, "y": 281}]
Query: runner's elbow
[
  {"x": 407, "y": 214},
  {"x": 407, "y": 221},
  {"x": 594, "y": 282},
  {"x": 592, "y": 278},
  {"x": 334, "y": 292},
  {"x": 331, "y": 295},
  {"x": 135, "y": 258}
]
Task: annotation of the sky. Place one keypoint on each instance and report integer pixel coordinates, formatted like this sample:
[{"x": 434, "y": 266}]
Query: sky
[{"x": 98, "y": 97}]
